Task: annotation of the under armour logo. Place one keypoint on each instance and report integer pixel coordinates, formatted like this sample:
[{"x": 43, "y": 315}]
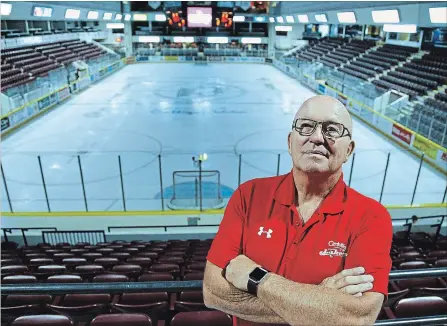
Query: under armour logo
[{"x": 268, "y": 233}]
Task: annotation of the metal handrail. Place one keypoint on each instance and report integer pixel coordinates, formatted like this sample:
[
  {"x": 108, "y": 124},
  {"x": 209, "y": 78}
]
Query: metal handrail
[
  {"x": 164, "y": 286},
  {"x": 158, "y": 226},
  {"x": 25, "y": 241}
]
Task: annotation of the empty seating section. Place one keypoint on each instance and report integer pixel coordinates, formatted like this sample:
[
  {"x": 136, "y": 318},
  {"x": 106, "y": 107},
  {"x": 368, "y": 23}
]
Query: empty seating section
[
  {"x": 175, "y": 260},
  {"x": 23, "y": 65},
  {"x": 418, "y": 76},
  {"x": 117, "y": 261},
  {"x": 369, "y": 65},
  {"x": 315, "y": 50},
  {"x": 430, "y": 119},
  {"x": 346, "y": 52}
]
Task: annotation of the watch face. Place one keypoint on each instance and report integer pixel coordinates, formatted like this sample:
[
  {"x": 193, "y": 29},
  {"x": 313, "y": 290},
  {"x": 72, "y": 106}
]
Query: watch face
[{"x": 257, "y": 274}]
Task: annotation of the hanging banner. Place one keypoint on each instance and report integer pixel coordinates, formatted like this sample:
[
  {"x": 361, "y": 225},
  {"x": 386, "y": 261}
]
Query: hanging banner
[{"x": 154, "y": 4}]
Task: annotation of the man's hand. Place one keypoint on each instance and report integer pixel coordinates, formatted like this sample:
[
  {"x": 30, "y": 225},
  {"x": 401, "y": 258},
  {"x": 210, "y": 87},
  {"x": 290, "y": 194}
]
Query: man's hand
[
  {"x": 350, "y": 281},
  {"x": 238, "y": 270}
]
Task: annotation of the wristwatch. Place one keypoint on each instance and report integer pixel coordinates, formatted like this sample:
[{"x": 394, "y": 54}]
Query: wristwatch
[{"x": 255, "y": 277}]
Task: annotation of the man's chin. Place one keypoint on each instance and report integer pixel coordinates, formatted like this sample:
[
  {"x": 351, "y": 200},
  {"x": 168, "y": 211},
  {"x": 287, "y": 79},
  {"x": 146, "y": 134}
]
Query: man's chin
[{"x": 314, "y": 167}]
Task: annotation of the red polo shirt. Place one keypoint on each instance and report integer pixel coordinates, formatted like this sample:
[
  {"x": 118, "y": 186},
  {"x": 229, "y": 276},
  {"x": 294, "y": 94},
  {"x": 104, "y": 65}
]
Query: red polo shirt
[{"x": 347, "y": 230}]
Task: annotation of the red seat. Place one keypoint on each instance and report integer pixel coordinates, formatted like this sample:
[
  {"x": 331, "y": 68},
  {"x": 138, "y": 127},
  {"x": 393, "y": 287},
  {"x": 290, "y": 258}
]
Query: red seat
[
  {"x": 166, "y": 268},
  {"x": 425, "y": 291},
  {"x": 154, "y": 304},
  {"x": 419, "y": 307},
  {"x": 91, "y": 256},
  {"x": 78, "y": 251},
  {"x": 13, "y": 270},
  {"x": 154, "y": 277},
  {"x": 64, "y": 279},
  {"x": 197, "y": 266},
  {"x": 194, "y": 276},
  {"x": 72, "y": 263},
  {"x": 412, "y": 265},
  {"x": 190, "y": 301},
  {"x": 131, "y": 271},
  {"x": 152, "y": 255},
  {"x": 82, "y": 307},
  {"x": 131, "y": 250},
  {"x": 418, "y": 283},
  {"x": 122, "y": 320},
  {"x": 89, "y": 271},
  {"x": 47, "y": 270},
  {"x": 52, "y": 252},
  {"x": 410, "y": 255},
  {"x": 394, "y": 296},
  {"x": 201, "y": 318},
  {"x": 59, "y": 257},
  {"x": 11, "y": 261},
  {"x": 36, "y": 262},
  {"x": 14, "y": 306},
  {"x": 171, "y": 260},
  {"x": 105, "y": 251},
  {"x": 19, "y": 279},
  {"x": 406, "y": 249},
  {"x": 144, "y": 262},
  {"x": 121, "y": 256},
  {"x": 106, "y": 262},
  {"x": 110, "y": 278},
  {"x": 42, "y": 320}
]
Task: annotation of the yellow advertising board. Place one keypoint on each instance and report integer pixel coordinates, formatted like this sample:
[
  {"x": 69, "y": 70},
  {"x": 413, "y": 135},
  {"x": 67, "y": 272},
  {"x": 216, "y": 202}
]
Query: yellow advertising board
[
  {"x": 425, "y": 146},
  {"x": 171, "y": 58},
  {"x": 130, "y": 60}
]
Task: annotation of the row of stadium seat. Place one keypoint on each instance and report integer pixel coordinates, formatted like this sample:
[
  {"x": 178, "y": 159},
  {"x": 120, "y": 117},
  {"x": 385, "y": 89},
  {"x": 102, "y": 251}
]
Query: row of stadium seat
[
  {"x": 412, "y": 250},
  {"x": 24, "y": 65},
  {"x": 193, "y": 318}
]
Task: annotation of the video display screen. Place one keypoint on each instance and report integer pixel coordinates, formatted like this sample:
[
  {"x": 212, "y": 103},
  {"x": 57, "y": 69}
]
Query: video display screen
[{"x": 200, "y": 17}]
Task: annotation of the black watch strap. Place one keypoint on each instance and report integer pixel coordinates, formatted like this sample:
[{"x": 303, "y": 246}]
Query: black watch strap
[
  {"x": 252, "y": 287},
  {"x": 255, "y": 277}
]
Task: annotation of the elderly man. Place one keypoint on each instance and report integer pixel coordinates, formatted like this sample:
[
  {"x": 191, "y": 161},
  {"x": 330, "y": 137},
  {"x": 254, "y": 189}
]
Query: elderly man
[{"x": 303, "y": 248}]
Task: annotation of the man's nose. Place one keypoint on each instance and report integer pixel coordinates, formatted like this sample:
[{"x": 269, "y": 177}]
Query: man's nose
[{"x": 317, "y": 136}]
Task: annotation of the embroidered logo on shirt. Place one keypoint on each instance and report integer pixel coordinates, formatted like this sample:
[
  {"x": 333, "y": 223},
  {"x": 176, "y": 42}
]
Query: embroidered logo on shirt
[
  {"x": 268, "y": 233},
  {"x": 336, "y": 249}
]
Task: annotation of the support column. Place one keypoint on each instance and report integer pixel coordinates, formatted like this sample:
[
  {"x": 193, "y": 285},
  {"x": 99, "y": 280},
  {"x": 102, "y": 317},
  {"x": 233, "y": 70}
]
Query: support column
[
  {"x": 127, "y": 31},
  {"x": 272, "y": 40}
]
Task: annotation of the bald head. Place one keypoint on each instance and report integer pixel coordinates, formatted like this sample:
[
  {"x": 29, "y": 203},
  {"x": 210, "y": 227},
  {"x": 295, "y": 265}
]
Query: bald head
[{"x": 322, "y": 107}]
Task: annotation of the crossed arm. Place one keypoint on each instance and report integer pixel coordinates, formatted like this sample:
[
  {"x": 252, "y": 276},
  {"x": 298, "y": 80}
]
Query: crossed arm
[{"x": 282, "y": 301}]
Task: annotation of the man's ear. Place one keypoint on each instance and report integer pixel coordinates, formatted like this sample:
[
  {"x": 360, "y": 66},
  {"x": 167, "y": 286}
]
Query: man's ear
[
  {"x": 289, "y": 144},
  {"x": 351, "y": 148}
]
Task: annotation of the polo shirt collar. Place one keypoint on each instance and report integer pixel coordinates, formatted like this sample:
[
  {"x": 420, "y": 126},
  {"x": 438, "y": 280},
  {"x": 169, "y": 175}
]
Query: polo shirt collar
[{"x": 332, "y": 204}]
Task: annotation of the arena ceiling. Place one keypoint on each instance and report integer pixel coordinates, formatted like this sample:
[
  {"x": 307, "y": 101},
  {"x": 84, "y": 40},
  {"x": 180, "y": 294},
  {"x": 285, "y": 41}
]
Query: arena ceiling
[
  {"x": 287, "y": 7},
  {"x": 99, "y": 5}
]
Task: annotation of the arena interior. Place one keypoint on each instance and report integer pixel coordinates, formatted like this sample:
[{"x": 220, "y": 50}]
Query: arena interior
[{"x": 127, "y": 125}]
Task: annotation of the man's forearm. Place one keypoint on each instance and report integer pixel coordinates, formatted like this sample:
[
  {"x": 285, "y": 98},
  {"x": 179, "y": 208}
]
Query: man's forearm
[
  {"x": 305, "y": 304},
  {"x": 241, "y": 304}
]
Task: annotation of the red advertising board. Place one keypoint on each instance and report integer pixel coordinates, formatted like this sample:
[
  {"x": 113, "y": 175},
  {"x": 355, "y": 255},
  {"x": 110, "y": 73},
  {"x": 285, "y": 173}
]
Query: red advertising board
[
  {"x": 444, "y": 156},
  {"x": 402, "y": 134}
]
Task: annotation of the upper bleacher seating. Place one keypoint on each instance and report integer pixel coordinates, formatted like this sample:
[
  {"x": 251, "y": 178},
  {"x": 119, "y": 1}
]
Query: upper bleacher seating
[
  {"x": 346, "y": 52},
  {"x": 21, "y": 66},
  {"x": 416, "y": 77}
]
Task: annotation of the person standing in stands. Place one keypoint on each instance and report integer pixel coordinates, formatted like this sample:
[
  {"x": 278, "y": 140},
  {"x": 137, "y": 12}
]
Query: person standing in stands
[{"x": 303, "y": 248}]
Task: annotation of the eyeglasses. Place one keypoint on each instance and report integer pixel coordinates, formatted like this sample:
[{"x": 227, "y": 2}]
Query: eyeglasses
[{"x": 333, "y": 130}]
